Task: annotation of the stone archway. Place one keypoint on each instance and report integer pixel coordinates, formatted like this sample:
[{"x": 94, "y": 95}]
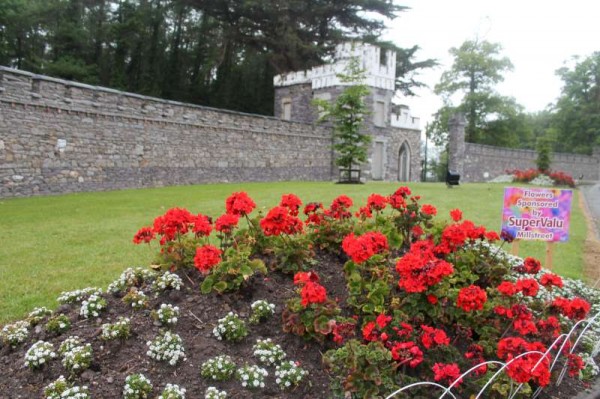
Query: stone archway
[{"x": 404, "y": 162}]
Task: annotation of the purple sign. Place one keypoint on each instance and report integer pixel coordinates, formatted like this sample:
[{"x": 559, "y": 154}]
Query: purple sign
[{"x": 536, "y": 213}]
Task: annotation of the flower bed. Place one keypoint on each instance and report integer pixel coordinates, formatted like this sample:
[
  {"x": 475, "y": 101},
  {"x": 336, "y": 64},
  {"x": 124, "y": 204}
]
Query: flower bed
[
  {"x": 541, "y": 178},
  {"x": 382, "y": 297}
]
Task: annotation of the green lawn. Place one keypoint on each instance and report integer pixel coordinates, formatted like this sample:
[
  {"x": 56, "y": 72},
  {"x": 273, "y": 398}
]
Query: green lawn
[{"x": 52, "y": 244}]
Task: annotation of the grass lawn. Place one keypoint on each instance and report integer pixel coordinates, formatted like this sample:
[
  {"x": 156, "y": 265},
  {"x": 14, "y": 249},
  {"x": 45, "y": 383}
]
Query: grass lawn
[{"x": 54, "y": 244}]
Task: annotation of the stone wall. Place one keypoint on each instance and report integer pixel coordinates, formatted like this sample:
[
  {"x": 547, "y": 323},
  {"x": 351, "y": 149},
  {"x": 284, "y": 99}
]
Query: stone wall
[
  {"x": 484, "y": 162},
  {"x": 58, "y": 136}
]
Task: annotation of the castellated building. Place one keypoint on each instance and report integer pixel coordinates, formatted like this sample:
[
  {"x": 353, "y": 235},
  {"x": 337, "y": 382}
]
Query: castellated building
[{"x": 395, "y": 148}]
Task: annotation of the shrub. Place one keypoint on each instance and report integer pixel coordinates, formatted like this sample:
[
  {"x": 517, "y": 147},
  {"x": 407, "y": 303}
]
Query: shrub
[
  {"x": 77, "y": 358},
  {"x": 92, "y": 306},
  {"x": 214, "y": 393},
  {"x": 39, "y": 354},
  {"x": 230, "y": 328},
  {"x": 289, "y": 374},
  {"x": 218, "y": 368},
  {"x": 136, "y": 299},
  {"x": 137, "y": 386},
  {"x": 167, "y": 314},
  {"x": 77, "y": 296},
  {"x": 121, "y": 329},
  {"x": 15, "y": 334},
  {"x": 252, "y": 377},
  {"x": 37, "y": 315},
  {"x": 261, "y": 310},
  {"x": 268, "y": 352},
  {"x": 58, "y": 324},
  {"x": 168, "y": 347},
  {"x": 172, "y": 391},
  {"x": 61, "y": 389}
]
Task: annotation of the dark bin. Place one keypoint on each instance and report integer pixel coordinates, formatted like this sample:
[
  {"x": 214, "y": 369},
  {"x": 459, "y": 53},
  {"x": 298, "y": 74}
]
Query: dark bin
[{"x": 452, "y": 178}]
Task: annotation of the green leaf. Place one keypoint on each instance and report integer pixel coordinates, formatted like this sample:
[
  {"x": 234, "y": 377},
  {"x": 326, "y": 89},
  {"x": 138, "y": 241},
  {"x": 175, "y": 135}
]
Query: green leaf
[{"x": 207, "y": 285}]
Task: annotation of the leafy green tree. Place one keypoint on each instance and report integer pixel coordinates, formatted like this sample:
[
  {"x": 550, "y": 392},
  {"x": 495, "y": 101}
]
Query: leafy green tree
[
  {"x": 577, "y": 111},
  {"x": 347, "y": 113},
  {"x": 491, "y": 118},
  {"x": 544, "y": 150}
]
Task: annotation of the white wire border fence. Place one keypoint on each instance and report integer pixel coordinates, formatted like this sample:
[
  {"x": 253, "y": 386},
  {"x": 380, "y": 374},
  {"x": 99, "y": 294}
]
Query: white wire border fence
[{"x": 564, "y": 338}]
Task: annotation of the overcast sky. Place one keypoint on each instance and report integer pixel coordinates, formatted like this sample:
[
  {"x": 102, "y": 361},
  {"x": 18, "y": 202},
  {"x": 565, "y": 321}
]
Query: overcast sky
[{"x": 537, "y": 36}]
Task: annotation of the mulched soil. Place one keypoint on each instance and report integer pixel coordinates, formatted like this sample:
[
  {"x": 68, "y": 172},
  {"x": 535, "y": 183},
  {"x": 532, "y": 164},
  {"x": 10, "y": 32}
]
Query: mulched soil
[{"x": 114, "y": 361}]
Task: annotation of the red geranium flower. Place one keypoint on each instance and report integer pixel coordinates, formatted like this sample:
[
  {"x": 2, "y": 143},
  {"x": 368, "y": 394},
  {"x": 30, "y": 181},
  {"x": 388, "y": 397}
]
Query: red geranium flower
[
  {"x": 575, "y": 363},
  {"x": 492, "y": 236},
  {"x": 507, "y": 288},
  {"x": 207, "y": 257},
  {"x": 339, "y": 207},
  {"x": 226, "y": 223},
  {"x": 278, "y": 221},
  {"x": 575, "y": 309},
  {"x": 528, "y": 286},
  {"x": 446, "y": 372},
  {"x": 364, "y": 213},
  {"x": 429, "y": 210},
  {"x": 531, "y": 265},
  {"x": 376, "y": 202},
  {"x": 291, "y": 202},
  {"x": 403, "y": 191},
  {"x": 432, "y": 299},
  {"x": 313, "y": 293},
  {"x": 471, "y": 298},
  {"x": 407, "y": 352},
  {"x": 145, "y": 234},
  {"x": 549, "y": 279},
  {"x": 202, "y": 225},
  {"x": 239, "y": 204},
  {"x": 383, "y": 320},
  {"x": 302, "y": 278},
  {"x": 456, "y": 215},
  {"x": 364, "y": 247},
  {"x": 174, "y": 221},
  {"x": 433, "y": 337},
  {"x": 419, "y": 268}
]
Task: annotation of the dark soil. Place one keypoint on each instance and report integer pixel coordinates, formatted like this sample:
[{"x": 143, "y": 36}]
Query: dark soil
[{"x": 114, "y": 361}]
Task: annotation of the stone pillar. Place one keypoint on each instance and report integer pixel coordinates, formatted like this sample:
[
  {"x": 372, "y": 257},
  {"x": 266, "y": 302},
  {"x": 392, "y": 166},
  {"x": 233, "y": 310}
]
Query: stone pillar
[{"x": 456, "y": 147}]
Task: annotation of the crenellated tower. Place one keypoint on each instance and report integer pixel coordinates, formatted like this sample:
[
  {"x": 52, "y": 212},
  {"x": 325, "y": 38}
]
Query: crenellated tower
[{"x": 395, "y": 149}]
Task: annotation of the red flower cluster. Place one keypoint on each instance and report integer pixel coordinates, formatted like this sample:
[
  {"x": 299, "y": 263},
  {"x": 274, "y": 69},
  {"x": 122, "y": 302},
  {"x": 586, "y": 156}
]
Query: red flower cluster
[
  {"x": 433, "y": 337},
  {"x": 311, "y": 211},
  {"x": 339, "y": 207},
  {"x": 456, "y": 215},
  {"x": 206, "y": 258},
  {"x": 145, "y": 234},
  {"x": 549, "y": 328},
  {"x": 311, "y": 291},
  {"x": 530, "y": 265},
  {"x": 175, "y": 221},
  {"x": 549, "y": 279},
  {"x": 362, "y": 248},
  {"x": 407, "y": 353},
  {"x": 562, "y": 179},
  {"x": 226, "y": 223},
  {"x": 398, "y": 199},
  {"x": 364, "y": 213},
  {"x": 429, "y": 210},
  {"x": 507, "y": 288},
  {"x": 419, "y": 268},
  {"x": 471, "y": 298},
  {"x": 530, "y": 367},
  {"x": 446, "y": 372},
  {"x": 528, "y": 286},
  {"x": 455, "y": 235},
  {"x": 279, "y": 221},
  {"x": 575, "y": 363},
  {"x": 376, "y": 202},
  {"x": 291, "y": 202},
  {"x": 474, "y": 353},
  {"x": 371, "y": 330},
  {"x": 239, "y": 204},
  {"x": 202, "y": 225},
  {"x": 575, "y": 309}
]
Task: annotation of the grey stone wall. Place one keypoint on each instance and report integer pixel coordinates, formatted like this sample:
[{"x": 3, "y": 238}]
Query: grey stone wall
[
  {"x": 483, "y": 162},
  {"x": 58, "y": 136},
  {"x": 480, "y": 163}
]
